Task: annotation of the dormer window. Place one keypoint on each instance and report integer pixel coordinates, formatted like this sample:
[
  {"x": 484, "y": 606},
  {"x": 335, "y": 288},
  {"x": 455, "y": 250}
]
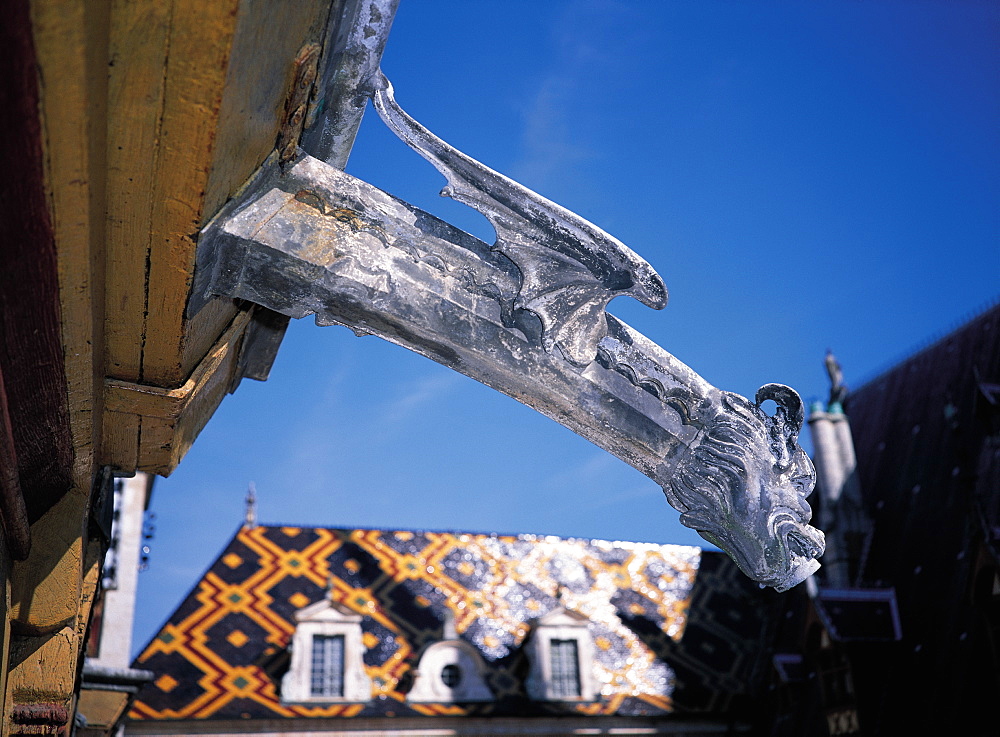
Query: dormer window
[
  {"x": 565, "y": 668},
  {"x": 327, "y": 667},
  {"x": 450, "y": 671},
  {"x": 561, "y": 653},
  {"x": 327, "y": 657}
]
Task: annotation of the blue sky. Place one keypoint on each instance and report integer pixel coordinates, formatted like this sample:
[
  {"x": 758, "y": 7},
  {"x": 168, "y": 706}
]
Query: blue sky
[{"x": 802, "y": 176}]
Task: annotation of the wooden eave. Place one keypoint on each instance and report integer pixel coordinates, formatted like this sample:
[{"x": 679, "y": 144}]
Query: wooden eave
[
  {"x": 196, "y": 97},
  {"x": 151, "y": 115},
  {"x": 127, "y": 125}
]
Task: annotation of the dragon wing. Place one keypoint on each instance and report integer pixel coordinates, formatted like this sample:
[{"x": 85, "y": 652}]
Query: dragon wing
[{"x": 570, "y": 269}]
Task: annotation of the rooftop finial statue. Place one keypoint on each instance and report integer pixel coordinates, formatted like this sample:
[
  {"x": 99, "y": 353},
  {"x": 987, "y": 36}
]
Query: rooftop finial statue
[{"x": 838, "y": 390}]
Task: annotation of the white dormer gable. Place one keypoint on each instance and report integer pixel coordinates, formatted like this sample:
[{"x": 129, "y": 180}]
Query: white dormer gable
[
  {"x": 326, "y": 610},
  {"x": 561, "y": 617},
  {"x": 560, "y": 651},
  {"x": 327, "y": 656},
  {"x": 450, "y": 671}
]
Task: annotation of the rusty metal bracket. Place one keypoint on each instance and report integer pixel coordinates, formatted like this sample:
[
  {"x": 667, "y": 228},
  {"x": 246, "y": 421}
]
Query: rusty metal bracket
[{"x": 297, "y": 103}]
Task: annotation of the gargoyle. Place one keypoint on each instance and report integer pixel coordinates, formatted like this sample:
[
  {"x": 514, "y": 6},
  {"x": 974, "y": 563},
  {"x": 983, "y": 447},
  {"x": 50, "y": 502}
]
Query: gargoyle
[{"x": 527, "y": 317}]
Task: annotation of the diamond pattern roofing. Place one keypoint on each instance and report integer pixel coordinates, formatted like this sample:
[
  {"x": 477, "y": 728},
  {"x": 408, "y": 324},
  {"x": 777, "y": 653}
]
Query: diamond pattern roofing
[{"x": 222, "y": 653}]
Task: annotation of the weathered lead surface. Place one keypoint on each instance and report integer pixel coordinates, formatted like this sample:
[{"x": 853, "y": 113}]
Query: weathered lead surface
[
  {"x": 352, "y": 51},
  {"x": 313, "y": 239}
]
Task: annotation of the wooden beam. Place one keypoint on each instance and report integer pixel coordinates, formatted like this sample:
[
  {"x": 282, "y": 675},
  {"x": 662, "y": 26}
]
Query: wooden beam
[
  {"x": 139, "y": 35},
  {"x": 48, "y": 609},
  {"x": 129, "y": 123},
  {"x": 200, "y": 41},
  {"x": 13, "y": 513},
  {"x": 169, "y": 420},
  {"x": 72, "y": 43},
  {"x": 197, "y": 92},
  {"x": 31, "y": 352}
]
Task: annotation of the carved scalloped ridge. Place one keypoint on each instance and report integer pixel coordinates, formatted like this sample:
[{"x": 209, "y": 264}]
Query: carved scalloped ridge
[{"x": 677, "y": 398}]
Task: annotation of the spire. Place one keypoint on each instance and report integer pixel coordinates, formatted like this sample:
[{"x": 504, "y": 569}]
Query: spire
[{"x": 251, "y": 514}]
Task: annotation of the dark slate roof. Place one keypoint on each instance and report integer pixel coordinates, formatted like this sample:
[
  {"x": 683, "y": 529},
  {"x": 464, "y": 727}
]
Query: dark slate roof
[
  {"x": 919, "y": 430},
  {"x": 223, "y": 651},
  {"x": 925, "y": 433}
]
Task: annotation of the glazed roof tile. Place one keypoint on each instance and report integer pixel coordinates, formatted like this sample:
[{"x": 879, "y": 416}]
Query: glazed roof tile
[{"x": 222, "y": 653}]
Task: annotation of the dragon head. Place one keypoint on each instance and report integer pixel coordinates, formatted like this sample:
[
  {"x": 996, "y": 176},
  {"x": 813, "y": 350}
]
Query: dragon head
[{"x": 743, "y": 487}]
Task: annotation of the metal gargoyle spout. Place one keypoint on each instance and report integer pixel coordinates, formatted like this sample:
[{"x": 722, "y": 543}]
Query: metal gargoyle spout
[{"x": 527, "y": 317}]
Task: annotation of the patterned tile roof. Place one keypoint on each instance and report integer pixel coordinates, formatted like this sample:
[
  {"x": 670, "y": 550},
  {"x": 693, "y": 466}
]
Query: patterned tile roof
[{"x": 222, "y": 653}]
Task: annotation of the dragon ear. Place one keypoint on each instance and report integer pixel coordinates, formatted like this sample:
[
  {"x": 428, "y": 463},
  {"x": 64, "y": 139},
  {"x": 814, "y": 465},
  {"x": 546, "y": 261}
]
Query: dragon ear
[{"x": 788, "y": 400}]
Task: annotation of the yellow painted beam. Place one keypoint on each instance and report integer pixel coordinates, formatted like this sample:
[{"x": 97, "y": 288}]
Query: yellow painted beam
[
  {"x": 153, "y": 114},
  {"x": 170, "y": 419},
  {"x": 48, "y": 607},
  {"x": 137, "y": 54},
  {"x": 196, "y": 96},
  {"x": 197, "y": 93}
]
